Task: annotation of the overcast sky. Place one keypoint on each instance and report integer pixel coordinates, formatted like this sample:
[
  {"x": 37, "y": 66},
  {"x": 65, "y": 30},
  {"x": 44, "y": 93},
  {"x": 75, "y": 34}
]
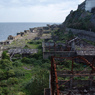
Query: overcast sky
[{"x": 36, "y": 10}]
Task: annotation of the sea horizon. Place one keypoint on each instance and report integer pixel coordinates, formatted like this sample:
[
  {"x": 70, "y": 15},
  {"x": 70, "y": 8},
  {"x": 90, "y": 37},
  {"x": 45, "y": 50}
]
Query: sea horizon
[{"x": 34, "y": 22}]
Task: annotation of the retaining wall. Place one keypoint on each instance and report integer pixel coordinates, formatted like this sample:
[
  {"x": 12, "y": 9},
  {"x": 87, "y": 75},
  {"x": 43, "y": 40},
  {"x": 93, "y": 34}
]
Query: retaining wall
[{"x": 83, "y": 34}]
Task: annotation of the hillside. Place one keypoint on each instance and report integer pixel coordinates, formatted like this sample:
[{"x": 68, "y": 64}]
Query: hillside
[{"x": 81, "y": 19}]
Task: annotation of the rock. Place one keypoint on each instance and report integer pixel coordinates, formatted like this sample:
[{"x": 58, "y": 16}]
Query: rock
[{"x": 11, "y": 37}]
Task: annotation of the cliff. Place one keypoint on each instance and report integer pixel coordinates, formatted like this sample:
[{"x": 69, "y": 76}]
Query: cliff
[{"x": 81, "y": 19}]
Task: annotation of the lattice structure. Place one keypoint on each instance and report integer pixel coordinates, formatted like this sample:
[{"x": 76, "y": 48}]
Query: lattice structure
[{"x": 79, "y": 79}]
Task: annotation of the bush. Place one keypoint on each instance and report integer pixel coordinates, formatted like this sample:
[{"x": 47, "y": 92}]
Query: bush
[
  {"x": 10, "y": 73},
  {"x": 46, "y": 66},
  {"x": 2, "y": 74},
  {"x": 5, "y": 55},
  {"x": 19, "y": 73},
  {"x": 17, "y": 64},
  {"x": 5, "y": 91},
  {"x": 17, "y": 55},
  {"x": 1, "y": 90},
  {"x": 26, "y": 46},
  {"x": 20, "y": 93},
  {"x": 38, "y": 55},
  {"x": 3, "y": 83},
  {"x": 26, "y": 60},
  {"x": 12, "y": 81},
  {"x": 5, "y": 64},
  {"x": 32, "y": 61},
  {"x": 38, "y": 82}
]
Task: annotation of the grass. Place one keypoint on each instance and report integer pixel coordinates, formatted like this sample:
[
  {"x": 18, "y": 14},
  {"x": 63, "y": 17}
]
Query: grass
[
  {"x": 48, "y": 35},
  {"x": 32, "y": 46},
  {"x": 89, "y": 42},
  {"x": 22, "y": 81}
]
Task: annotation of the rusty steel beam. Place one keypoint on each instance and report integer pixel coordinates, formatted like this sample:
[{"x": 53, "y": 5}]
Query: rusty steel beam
[
  {"x": 80, "y": 57},
  {"x": 61, "y": 75},
  {"x": 54, "y": 80},
  {"x": 93, "y": 63},
  {"x": 87, "y": 62}
]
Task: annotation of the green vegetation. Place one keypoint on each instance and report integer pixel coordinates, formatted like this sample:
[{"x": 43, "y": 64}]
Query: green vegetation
[
  {"x": 67, "y": 65},
  {"x": 62, "y": 36},
  {"x": 80, "y": 19},
  {"x": 26, "y": 76},
  {"x": 5, "y": 55},
  {"x": 34, "y": 44},
  {"x": 30, "y": 75},
  {"x": 89, "y": 42}
]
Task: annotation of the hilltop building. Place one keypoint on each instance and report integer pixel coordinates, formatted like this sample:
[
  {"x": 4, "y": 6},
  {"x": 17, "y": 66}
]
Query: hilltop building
[{"x": 87, "y": 5}]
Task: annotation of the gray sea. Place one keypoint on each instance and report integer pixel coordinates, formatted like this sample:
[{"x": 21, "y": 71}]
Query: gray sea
[{"x": 7, "y": 29}]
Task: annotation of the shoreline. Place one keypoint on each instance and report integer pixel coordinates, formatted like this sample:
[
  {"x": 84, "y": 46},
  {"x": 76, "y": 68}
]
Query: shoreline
[
  {"x": 36, "y": 30},
  {"x": 13, "y": 28}
]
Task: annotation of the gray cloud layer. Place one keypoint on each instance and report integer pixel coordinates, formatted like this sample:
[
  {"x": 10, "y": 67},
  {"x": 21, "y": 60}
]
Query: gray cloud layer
[{"x": 36, "y": 10}]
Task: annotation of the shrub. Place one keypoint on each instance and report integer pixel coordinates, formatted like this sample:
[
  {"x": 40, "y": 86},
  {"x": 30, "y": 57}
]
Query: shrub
[
  {"x": 1, "y": 90},
  {"x": 26, "y": 60},
  {"x": 19, "y": 73},
  {"x": 38, "y": 82},
  {"x": 5, "y": 55},
  {"x": 20, "y": 93},
  {"x": 38, "y": 55},
  {"x": 5, "y": 91},
  {"x": 10, "y": 73},
  {"x": 26, "y": 46},
  {"x": 3, "y": 83},
  {"x": 46, "y": 65},
  {"x": 5, "y": 64},
  {"x": 17, "y": 64},
  {"x": 12, "y": 81},
  {"x": 2, "y": 74},
  {"x": 17, "y": 55},
  {"x": 32, "y": 60}
]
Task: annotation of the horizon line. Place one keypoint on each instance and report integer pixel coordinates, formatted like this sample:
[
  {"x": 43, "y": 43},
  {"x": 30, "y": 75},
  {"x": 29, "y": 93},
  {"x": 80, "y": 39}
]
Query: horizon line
[{"x": 32, "y": 22}]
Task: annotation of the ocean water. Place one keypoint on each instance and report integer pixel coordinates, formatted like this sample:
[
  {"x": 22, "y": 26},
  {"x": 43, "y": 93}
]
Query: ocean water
[{"x": 7, "y": 29}]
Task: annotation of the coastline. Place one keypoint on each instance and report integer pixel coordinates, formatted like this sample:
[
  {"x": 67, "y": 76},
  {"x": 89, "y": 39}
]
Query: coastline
[
  {"x": 28, "y": 34},
  {"x": 13, "y": 28}
]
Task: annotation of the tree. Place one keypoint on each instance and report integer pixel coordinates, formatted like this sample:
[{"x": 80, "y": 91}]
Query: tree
[
  {"x": 5, "y": 64},
  {"x": 39, "y": 81},
  {"x": 5, "y": 55}
]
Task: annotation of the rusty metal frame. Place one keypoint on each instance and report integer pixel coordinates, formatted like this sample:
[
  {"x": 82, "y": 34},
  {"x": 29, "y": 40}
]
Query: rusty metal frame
[{"x": 54, "y": 77}]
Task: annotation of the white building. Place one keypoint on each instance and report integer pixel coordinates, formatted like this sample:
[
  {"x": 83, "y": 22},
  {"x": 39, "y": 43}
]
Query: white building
[{"x": 89, "y": 4}]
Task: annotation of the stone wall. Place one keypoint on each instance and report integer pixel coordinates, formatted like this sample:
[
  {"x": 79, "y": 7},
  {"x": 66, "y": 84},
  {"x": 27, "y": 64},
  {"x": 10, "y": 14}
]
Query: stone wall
[{"x": 83, "y": 34}]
